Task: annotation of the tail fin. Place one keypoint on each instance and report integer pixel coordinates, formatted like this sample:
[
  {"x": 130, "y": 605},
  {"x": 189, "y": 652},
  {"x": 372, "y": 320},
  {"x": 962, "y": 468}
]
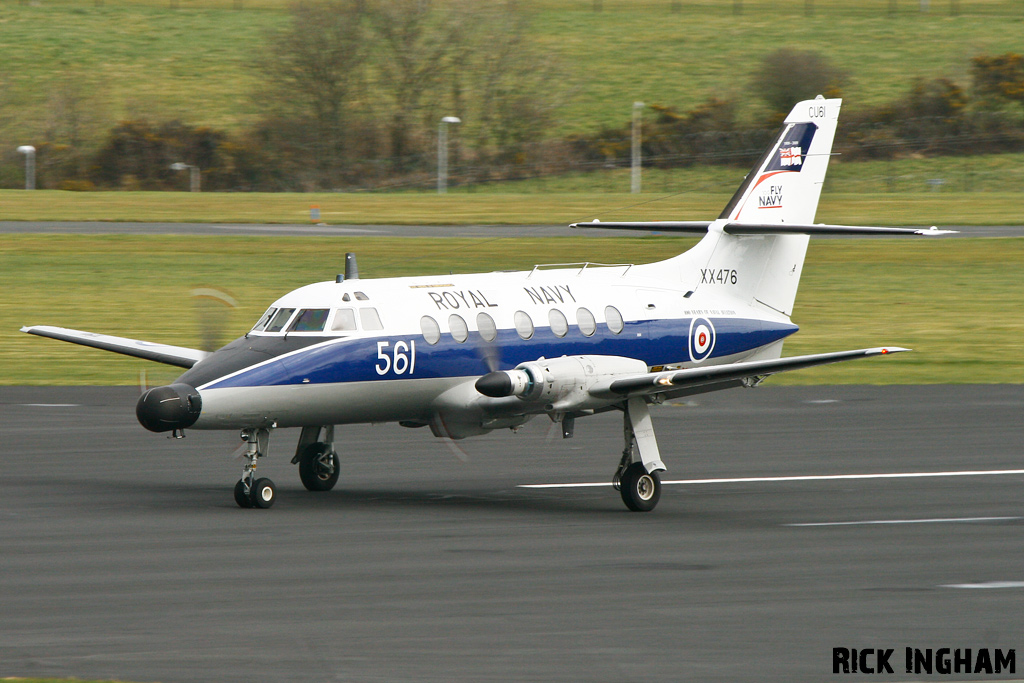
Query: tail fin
[{"x": 784, "y": 187}]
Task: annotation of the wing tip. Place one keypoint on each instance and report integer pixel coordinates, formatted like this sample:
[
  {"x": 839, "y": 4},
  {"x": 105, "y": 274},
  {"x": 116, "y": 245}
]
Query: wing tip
[{"x": 885, "y": 350}]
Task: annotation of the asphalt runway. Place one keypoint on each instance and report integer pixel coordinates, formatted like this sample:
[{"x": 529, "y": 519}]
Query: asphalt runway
[
  {"x": 490, "y": 231},
  {"x": 123, "y": 555}
]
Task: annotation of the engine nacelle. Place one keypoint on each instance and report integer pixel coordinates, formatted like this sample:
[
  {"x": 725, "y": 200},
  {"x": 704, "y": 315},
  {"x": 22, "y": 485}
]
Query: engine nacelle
[{"x": 561, "y": 384}]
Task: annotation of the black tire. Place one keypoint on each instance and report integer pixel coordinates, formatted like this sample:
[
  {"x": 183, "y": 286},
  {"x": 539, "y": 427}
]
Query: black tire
[
  {"x": 242, "y": 496},
  {"x": 263, "y": 493},
  {"x": 640, "y": 490},
  {"x": 315, "y": 467}
]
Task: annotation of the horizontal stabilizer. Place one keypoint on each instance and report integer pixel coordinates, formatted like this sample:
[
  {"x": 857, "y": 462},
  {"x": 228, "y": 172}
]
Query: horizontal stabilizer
[
  {"x": 701, "y": 227},
  {"x": 665, "y": 382},
  {"x": 695, "y": 227},
  {"x": 161, "y": 353}
]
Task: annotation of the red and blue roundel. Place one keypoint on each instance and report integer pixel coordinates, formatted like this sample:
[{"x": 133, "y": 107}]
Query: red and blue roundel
[{"x": 702, "y": 339}]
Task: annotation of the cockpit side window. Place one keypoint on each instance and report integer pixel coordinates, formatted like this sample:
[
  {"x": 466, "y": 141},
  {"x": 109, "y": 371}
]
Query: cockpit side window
[
  {"x": 280, "y": 319},
  {"x": 265, "y": 320},
  {"x": 344, "y": 320},
  {"x": 370, "y": 318},
  {"x": 310, "y": 320}
]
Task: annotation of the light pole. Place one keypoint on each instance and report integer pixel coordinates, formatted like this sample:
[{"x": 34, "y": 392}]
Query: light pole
[
  {"x": 442, "y": 152},
  {"x": 193, "y": 174},
  {"x": 638, "y": 108},
  {"x": 30, "y": 166}
]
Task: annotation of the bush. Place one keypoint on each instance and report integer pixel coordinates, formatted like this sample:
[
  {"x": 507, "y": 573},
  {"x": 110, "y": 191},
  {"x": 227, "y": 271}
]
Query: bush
[
  {"x": 1001, "y": 76},
  {"x": 788, "y": 76},
  {"x": 138, "y": 155}
]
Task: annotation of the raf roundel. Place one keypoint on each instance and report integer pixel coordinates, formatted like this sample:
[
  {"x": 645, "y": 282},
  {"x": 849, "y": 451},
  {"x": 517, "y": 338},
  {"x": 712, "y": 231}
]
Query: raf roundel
[{"x": 702, "y": 339}]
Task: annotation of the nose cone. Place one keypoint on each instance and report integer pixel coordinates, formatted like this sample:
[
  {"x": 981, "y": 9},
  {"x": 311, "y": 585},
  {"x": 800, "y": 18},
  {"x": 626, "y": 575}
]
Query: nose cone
[
  {"x": 495, "y": 384},
  {"x": 175, "y": 406}
]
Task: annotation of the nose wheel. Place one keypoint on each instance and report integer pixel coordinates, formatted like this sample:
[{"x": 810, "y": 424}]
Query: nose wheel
[{"x": 250, "y": 491}]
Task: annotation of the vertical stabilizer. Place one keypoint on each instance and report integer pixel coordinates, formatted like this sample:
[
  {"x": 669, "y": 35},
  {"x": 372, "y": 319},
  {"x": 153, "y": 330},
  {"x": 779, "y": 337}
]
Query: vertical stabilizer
[{"x": 784, "y": 187}]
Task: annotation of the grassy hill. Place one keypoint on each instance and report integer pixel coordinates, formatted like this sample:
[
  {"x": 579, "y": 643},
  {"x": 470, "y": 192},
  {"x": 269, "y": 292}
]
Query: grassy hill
[{"x": 89, "y": 63}]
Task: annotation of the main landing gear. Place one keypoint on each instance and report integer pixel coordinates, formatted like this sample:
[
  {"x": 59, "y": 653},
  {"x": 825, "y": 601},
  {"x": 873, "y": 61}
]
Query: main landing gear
[
  {"x": 250, "y": 491},
  {"x": 318, "y": 462},
  {"x": 638, "y": 477},
  {"x": 319, "y": 465}
]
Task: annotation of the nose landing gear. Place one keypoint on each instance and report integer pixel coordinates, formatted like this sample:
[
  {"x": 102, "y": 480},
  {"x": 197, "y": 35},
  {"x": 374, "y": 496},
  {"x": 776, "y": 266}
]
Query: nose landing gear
[{"x": 250, "y": 491}]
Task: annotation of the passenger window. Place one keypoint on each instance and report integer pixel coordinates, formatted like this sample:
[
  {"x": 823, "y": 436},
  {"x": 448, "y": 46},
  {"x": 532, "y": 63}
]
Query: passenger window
[
  {"x": 310, "y": 320},
  {"x": 431, "y": 330},
  {"x": 485, "y": 324},
  {"x": 361, "y": 297},
  {"x": 587, "y": 323},
  {"x": 344, "y": 320},
  {"x": 524, "y": 324},
  {"x": 460, "y": 331},
  {"x": 369, "y": 318},
  {"x": 280, "y": 319},
  {"x": 559, "y": 325},
  {"x": 614, "y": 319},
  {"x": 264, "y": 321}
]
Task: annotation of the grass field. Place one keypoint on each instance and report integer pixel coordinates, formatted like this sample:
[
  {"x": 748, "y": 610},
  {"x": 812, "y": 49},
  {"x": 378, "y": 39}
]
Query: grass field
[
  {"x": 956, "y": 302},
  {"x": 191, "y": 59}
]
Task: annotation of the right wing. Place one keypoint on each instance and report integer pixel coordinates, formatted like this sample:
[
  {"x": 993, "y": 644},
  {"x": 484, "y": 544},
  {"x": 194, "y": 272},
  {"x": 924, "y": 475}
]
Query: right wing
[{"x": 161, "y": 353}]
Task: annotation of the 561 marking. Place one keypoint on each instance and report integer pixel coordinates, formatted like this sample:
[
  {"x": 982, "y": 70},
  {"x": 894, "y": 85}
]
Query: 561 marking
[{"x": 401, "y": 360}]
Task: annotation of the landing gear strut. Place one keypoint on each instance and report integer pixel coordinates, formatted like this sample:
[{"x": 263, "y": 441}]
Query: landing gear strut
[
  {"x": 251, "y": 491},
  {"x": 638, "y": 477}
]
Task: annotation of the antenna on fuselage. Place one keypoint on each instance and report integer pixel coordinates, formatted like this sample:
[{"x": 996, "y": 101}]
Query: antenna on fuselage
[{"x": 351, "y": 268}]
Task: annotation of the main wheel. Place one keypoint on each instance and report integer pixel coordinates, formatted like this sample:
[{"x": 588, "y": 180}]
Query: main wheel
[
  {"x": 319, "y": 467},
  {"x": 640, "y": 490},
  {"x": 263, "y": 493},
  {"x": 242, "y": 496}
]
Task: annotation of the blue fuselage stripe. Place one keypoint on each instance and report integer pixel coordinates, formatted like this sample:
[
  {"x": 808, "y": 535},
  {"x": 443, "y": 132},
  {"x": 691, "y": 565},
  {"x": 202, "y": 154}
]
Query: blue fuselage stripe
[{"x": 656, "y": 342}]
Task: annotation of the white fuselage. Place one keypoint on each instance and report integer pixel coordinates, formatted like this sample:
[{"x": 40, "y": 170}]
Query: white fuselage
[{"x": 383, "y": 350}]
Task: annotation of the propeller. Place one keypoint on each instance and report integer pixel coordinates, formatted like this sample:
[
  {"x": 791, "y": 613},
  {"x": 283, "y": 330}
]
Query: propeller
[{"x": 213, "y": 308}]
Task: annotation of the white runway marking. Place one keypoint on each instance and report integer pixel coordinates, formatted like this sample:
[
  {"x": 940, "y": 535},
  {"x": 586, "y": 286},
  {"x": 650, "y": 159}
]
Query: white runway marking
[
  {"x": 936, "y": 520},
  {"x": 52, "y": 405},
  {"x": 987, "y": 584},
  {"x": 813, "y": 477}
]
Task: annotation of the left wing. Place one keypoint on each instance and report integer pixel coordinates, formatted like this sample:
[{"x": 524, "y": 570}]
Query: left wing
[
  {"x": 722, "y": 376},
  {"x": 161, "y": 353}
]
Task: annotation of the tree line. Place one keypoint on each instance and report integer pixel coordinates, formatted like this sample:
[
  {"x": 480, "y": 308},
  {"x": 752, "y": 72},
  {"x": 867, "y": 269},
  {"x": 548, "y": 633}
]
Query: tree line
[{"x": 352, "y": 93}]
